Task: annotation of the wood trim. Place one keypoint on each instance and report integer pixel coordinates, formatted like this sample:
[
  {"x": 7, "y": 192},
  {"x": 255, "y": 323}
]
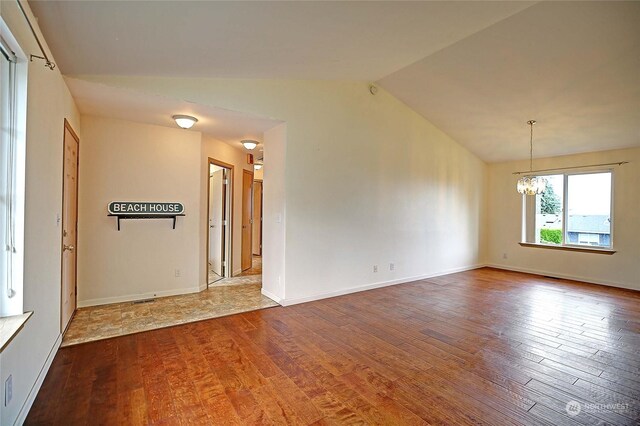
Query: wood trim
[
  {"x": 261, "y": 209},
  {"x": 223, "y": 234},
  {"x": 67, "y": 126},
  {"x": 249, "y": 172},
  {"x": 219, "y": 164},
  {"x": 229, "y": 269},
  {"x": 570, "y": 248}
]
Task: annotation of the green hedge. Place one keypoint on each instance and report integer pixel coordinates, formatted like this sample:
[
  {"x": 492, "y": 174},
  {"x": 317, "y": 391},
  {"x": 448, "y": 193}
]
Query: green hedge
[{"x": 551, "y": 236}]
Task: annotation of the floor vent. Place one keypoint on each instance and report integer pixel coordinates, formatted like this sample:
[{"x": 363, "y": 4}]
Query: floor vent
[{"x": 138, "y": 302}]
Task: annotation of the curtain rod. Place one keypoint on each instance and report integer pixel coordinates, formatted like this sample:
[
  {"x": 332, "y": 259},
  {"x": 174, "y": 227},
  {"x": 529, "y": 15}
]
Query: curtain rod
[
  {"x": 48, "y": 63},
  {"x": 620, "y": 163}
]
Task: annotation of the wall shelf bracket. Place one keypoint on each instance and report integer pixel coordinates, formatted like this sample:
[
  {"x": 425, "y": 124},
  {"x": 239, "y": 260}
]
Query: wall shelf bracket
[{"x": 134, "y": 216}]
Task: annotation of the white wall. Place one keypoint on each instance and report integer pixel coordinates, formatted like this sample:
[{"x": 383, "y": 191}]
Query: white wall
[
  {"x": 367, "y": 181},
  {"x": 273, "y": 214},
  {"x": 126, "y": 161},
  {"x": 49, "y": 103},
  {"x": 213, "y": 148},
  {"x": 504, "y": 224}
]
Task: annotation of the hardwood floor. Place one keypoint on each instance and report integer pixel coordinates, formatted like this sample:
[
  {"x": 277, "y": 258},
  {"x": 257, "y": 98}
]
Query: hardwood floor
[{"x": 479, "y": 347}]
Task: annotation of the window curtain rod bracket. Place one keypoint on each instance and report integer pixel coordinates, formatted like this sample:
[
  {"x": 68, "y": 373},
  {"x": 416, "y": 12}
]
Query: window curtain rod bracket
[
  {"x": 48, "y": 63},
  {"x": 620, "y": 163}
]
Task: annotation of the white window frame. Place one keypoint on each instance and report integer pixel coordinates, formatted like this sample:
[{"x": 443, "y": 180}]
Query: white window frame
[
  {"x": 529, "y": 216},
  {"x": 14, "y": 304}
]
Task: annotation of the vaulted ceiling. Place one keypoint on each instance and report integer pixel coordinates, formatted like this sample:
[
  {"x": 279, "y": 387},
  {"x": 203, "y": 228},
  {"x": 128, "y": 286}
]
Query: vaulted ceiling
[{"x": 477, "y": 70}]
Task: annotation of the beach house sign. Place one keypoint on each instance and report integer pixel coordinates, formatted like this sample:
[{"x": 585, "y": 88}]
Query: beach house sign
[{"x": 144, "y": 208}]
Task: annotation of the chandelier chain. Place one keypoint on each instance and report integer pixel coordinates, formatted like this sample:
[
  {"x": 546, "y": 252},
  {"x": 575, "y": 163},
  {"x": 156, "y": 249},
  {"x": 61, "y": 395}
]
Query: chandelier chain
[
  {"x": 531, "y": 123},
  {"x": 531, "y": 147}
]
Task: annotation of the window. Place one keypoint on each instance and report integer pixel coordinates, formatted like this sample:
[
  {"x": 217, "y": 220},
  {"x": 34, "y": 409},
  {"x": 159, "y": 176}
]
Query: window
[
  {"x": 574, "y": 210},
  {"x": 549, "y": 207},
  {"x": 13, "y": 69}
]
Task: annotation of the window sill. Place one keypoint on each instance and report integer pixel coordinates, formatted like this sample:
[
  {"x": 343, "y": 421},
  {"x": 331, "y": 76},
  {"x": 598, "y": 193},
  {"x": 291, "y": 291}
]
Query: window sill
[
  {"x": 10, "y": 326},
  {"x": 571, "y": 248}
]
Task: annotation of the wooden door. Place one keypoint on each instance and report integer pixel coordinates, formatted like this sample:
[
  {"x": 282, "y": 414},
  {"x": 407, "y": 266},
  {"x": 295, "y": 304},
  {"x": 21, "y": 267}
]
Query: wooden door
[
  {"x": 69, "y": 225},
  {"x": 257, "y": 218},
  {"x": 247, "y": 217},
  {"x": 216, "y": 197}
]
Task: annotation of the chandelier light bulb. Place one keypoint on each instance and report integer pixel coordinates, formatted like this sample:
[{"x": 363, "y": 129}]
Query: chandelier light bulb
[{"x": 531, "y": 185}]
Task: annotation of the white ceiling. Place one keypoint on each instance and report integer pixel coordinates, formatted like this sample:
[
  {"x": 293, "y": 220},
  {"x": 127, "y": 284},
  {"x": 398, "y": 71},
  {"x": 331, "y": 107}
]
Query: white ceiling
[
  {"x": 106, "y": 101},
  {"x": 572, "y": 66},
  {"x": 477, "y": 70},
  {"x": 244, "y": 39}
]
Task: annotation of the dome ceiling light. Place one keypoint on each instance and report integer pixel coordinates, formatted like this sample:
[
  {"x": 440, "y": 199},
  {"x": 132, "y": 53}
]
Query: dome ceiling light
[{"x": 185, "y": 121}]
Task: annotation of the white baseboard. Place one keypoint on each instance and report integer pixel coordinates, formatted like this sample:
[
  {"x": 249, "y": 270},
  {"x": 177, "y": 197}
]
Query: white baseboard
[
  {"x": 295, "y": 301},
  {"x": 142, "y": 296},
  {"x": 563, "y": 276},
  {"x": 24, "y": 411},
  {"x": 271, "y": 296}
]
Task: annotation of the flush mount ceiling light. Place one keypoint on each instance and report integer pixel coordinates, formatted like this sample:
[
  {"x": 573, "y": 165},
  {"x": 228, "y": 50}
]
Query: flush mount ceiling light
[
  {"x": 249, "y": 144},
  {"x": 185, "y": 121},
  {"x": 257, "y": 166},
  {"x": 531, "y": 185}
]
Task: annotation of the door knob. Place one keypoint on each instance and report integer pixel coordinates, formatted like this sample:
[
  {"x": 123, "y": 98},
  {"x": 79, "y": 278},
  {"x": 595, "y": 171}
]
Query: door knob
[{"x": 67, "y": 247}]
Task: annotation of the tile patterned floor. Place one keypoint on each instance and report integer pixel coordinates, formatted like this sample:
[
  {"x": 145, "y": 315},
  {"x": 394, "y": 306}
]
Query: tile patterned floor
[
  {"x": 250, "y": 276},
  {"x": 239, "y": 294},
  {"x": 213, "y": 277}
]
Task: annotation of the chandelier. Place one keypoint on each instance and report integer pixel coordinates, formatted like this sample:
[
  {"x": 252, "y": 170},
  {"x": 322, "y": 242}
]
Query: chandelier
[{"x": 531, "y": 185}]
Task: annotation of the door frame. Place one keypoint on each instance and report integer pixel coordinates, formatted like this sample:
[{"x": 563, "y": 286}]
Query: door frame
[
  {"x": 252, "y": 174},
  {"x": 261, "y": 209},
  {"x": 228, "y": 270},
  {"x": 67, "y": 126}
]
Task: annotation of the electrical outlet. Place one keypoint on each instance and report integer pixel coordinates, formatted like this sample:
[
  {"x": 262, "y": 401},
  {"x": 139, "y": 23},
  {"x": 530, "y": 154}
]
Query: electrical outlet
[
  {"x": 504, "y": 255},
  {"x": 392, "y": 266},
  {"x": 177, "y": 273},
  {"x": 375, "y": 268},
  {"x": 8, "y": 390}
]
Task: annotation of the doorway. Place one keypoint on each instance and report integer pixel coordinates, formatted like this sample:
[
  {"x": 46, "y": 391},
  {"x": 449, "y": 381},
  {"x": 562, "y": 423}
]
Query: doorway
[
  {"x": 219, "y": 226},
  {"x": 69, "y": 225}
]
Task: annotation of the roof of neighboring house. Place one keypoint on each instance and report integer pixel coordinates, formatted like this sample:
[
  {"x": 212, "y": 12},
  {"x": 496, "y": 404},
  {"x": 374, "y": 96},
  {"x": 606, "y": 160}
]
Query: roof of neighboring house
[{"x": 597, "y": 224}]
